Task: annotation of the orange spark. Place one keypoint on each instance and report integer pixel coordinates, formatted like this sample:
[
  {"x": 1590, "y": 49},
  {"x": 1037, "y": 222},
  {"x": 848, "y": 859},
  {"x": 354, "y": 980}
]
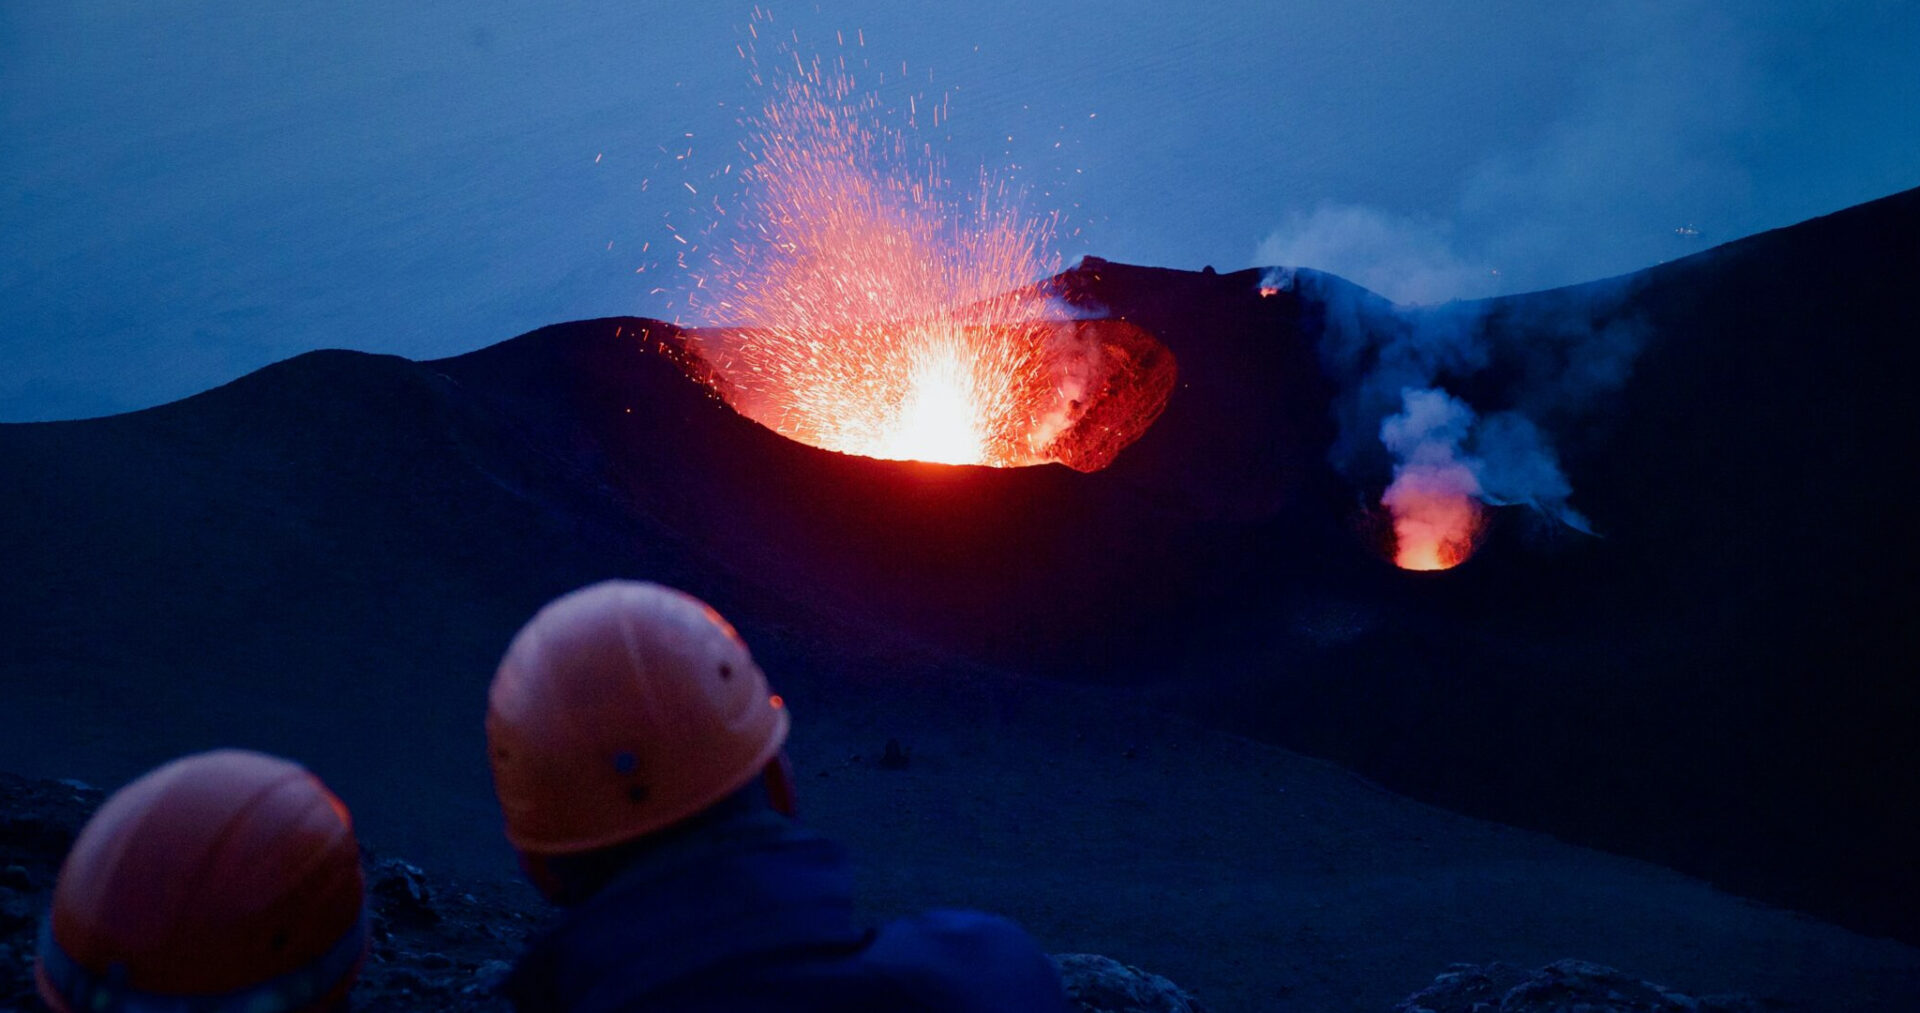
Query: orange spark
[{"x": 876, "y": 309}]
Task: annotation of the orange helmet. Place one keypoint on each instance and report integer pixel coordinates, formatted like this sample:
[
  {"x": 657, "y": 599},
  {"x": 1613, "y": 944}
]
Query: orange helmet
[
  {"x": 620, "y": 709},
  {"x": 227, "y": 874}
]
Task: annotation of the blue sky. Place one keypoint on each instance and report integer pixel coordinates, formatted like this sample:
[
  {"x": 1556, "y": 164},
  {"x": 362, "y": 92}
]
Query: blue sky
[{"x": 191, "y": 191}]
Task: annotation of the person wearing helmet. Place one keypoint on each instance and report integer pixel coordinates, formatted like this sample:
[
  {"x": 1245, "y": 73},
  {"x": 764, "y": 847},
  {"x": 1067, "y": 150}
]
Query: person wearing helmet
[
  {"x": 223, "y": 882},
  {"x": 637, "y": 754}
]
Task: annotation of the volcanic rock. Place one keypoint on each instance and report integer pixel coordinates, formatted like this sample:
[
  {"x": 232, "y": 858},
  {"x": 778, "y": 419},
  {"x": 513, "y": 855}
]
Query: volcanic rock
[
  {"x": 1128, "y": 377},
  {"x": 15, "y": 910},
  {"x": 1559, "y": 987},
  {"x": 1098, "y": 984},
  {"x": 402, "y": 888}
]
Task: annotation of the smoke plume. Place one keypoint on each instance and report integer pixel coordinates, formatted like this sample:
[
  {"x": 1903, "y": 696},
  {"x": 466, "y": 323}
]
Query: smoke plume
[
  {"x": 1407, "y": 260},
  {"x": 1434, "y": 496},
  {"x": 1405, "y": 419}
]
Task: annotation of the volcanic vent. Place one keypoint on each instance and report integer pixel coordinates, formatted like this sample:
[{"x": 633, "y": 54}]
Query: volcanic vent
[
  {"x": 868, "y": 305},
  {"x": 948, "y": 392}
]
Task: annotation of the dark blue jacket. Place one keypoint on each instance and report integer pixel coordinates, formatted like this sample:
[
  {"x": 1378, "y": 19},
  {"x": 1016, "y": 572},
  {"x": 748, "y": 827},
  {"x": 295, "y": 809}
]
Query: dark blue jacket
[{"x": 757, "y": 914}]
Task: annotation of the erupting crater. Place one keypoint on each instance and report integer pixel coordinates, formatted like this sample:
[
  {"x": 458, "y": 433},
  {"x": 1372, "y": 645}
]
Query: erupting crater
[
  {"x": 947, "y": 391},
  {"x": 1435, "y": 532},
  {"x": 1424, "y": 529},
  {"x": 869, "y": 306}
]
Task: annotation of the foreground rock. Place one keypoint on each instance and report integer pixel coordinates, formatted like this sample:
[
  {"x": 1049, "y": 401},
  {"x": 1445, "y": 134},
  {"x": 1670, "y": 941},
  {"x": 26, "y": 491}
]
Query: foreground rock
[
  {"x": 1099, "y": 984},
  {"x": 1560, "y": 987}
]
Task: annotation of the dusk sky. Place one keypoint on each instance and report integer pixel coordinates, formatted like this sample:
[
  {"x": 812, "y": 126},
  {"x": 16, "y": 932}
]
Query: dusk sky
[{"x": 191, "y": 191}]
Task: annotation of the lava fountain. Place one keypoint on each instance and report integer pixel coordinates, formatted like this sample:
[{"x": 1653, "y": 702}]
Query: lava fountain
[{"x": 881, "y": 311}]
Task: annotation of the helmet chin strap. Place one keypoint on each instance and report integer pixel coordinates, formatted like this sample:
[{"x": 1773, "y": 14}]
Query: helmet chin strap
[{"x": 778, "y": 779}]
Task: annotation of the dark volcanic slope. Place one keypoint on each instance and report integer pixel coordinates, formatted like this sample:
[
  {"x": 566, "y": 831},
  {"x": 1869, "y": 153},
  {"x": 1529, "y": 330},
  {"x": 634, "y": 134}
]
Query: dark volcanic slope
[
  {"x": 1724, "y": 680},
  {"x": 324, "y": 559}
]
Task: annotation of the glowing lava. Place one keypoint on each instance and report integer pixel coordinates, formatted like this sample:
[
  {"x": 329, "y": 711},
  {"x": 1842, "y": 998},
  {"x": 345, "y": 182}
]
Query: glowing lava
[
  {"x": 1435, "y": 524},
  {"x": 1436, "y": 496},
  {"x": 879, "y": 310},
  {"x": 938, "y": 420},
  {"x": 1072, "y": 391}
]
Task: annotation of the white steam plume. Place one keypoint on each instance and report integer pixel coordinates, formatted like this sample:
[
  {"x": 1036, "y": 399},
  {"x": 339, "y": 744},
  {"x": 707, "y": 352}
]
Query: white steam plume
[
  {"x": 1402, "y": 416},
  {"x": 1405, "y": 260},
  {"x": 1443, "y": 451}
]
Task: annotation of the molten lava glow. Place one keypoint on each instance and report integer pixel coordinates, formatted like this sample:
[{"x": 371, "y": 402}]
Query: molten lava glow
[
  {"x": 1436, "y": 495},
  {"x": 937, "y": 420},
  {"x": 1437, "y": 518},
  {"x": 872, "y": 307}
]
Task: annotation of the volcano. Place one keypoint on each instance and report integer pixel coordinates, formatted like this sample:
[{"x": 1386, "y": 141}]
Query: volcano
[{"x": 325, "y": 558}]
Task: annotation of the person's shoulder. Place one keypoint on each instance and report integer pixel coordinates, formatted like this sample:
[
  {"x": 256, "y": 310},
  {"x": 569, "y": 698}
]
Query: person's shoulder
[{"x": 967, "y": 960}]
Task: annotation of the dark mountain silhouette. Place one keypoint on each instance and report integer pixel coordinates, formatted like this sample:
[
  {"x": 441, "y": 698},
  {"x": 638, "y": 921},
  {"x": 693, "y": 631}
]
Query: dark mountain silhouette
[{"x": 325, "y": 558}]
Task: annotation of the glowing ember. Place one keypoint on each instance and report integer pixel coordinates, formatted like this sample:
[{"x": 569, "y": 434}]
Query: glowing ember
[
  {"x": 1269, "y": 291},
  {"x": 887, "y": 313}
]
